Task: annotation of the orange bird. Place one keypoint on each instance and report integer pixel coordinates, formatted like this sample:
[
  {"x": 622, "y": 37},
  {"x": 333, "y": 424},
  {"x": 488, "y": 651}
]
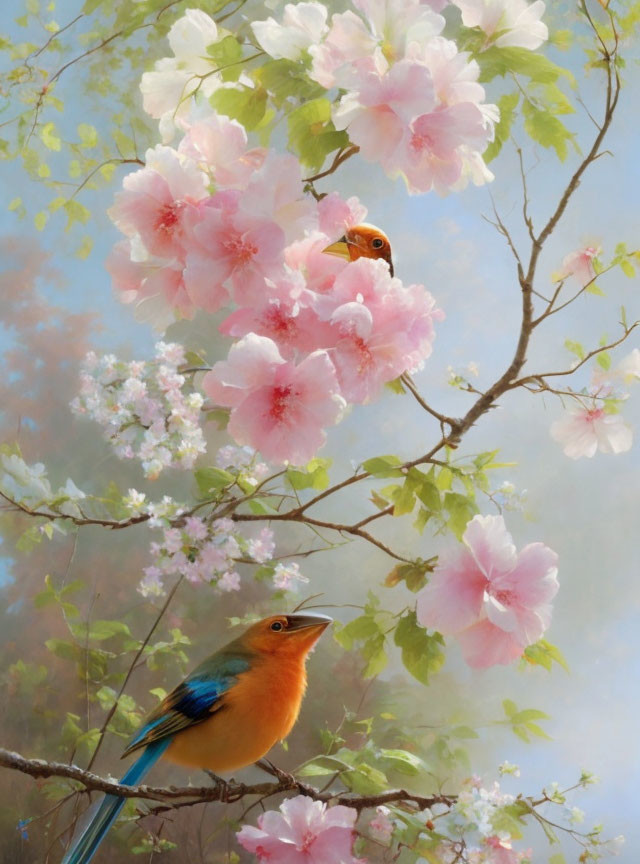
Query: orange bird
[
  {"x": 362, "y": 241},
  {"x": 225, "y": 715}
]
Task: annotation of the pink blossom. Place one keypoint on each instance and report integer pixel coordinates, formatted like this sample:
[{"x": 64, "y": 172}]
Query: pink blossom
[
  {"x": 579, "y": 264},
  {"x": 262, "y": 547},
  {"x": 275, "y": 194},
  {"x": 498, "y": 850},
  {"x": 286, "y": 576},
  {"x": 151, "y": 583},
  {"x": 381, "y": 827},
  {"x": 276, "y": 407},
  {"x": 155, "y": 287},
  {"x": 516, "y": 22},
  {"x": 154, "y": 199},
  {"x": 195, "y": 528},
  {"x": 381, "y": 106},
  {"x": 286, "y": 313},
  {"x": 432, "y": 155},
  {"x": 494, "y": 600},
  {"x": 232, "y": 248},
  {"x": 335, "y": 215},
  {"x": 382, "y": 328},
  {"x": 303, "y": 832},
  {"x": 229, "y": 581},
  {"x": 455, "y": 77},
  {"x": 303, "y": 25},
  {"x": 318, "y": 269},
  {"x": 384, "y": 37},
  {"x": 583, "y": 430},
  {"x": 220, "y": 146}
]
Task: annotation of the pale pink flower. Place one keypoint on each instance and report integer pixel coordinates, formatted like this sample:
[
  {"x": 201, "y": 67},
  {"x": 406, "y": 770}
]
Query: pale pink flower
[
  {"x": 582, "y": 431},
  {"x": 389, "y": 29},
  {"x": 229, "y": 581},
  {"x": 628, "y": 368},
  {"x": 155, "y": 287},
  {"x": 195, "y": 527},
  {"x": 151, "y": 583},
  {"x": 382, "y": 328},
  {"x": 262, "y": 547},
  {"x": 303, "y": 832},
  {"x": 382, "y": 105},
  {"x": 167, "y": 90},
  {"x": 276, "y": 407},
  {"x": 287, "y": 576},
  {"x": 335, "y": 214},
  {"x": 494, "y": 600},
  {"x": 455, "y": 77},
  {"x": 318, "y": 269},
  {"x": 516, "y": 22},
  {"x": 303, "y": 25},
  {"x": 231, "y": 248},
  {"x": 275, "y": 194},
  {"x": 381, "y": 827},
  {"x": 579, "y": 264},
  {"x": 285, "y": 313},
  {"x": 498, "y": 850},
  {"x": 219, "y": 145},
  {"x": 432, "y": 154},
  {"x": 154, "y": 199}
]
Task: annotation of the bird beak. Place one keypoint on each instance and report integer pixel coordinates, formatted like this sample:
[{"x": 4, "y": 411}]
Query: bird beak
[
  {"x": 305, "y": 622},
  {"x": 339, "y": 248}
]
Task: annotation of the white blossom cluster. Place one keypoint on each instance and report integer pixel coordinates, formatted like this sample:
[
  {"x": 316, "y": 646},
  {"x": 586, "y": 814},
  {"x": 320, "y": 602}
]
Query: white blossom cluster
[
  {"x": 147, "y": 408},
  {"x": 203, "y": 550},
  {"x": 29, "y": 486}
]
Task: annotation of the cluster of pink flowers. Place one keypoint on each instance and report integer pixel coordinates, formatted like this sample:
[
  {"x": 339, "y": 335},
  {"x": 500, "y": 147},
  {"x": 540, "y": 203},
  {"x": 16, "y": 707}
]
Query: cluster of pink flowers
[
  {"x": 149, "y": 411},
  {"x": 304, "y": 831},
  {"x": 413, "y": 102},
  {"x": 495, "y": 600},
  {"x": 315, "y": 332}
]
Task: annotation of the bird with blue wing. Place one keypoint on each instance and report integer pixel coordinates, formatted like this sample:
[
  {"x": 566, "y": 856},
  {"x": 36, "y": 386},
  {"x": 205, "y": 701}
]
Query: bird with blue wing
[{"x": 228, "y": 713}]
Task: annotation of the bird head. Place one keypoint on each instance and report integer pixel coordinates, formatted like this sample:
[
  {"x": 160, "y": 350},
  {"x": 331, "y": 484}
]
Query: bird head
[
  {"x": 292, "y": 635},
  {"x": 362, "y": 241}
]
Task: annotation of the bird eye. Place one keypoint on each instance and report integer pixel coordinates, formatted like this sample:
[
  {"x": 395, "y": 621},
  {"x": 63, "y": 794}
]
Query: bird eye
[
  {"x": 377, "y": 243},
  {"x": 277, "y": 625}
]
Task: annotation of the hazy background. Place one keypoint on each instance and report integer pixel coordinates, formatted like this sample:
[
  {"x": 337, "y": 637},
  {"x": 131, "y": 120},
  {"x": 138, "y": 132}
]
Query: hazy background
[{"x": 54, "y": 307}]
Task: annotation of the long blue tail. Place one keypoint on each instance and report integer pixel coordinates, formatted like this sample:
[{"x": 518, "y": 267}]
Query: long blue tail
[{"x": 92, "y": 836}]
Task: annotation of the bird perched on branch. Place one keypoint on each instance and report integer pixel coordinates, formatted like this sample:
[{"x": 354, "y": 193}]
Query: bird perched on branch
[
  {"x": 362, "y": 241},
  {"x": 228, "y": 713}
]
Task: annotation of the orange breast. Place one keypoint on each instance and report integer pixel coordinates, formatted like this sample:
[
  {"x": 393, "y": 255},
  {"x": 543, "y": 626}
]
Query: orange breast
[{"x": 256, "y": 713}]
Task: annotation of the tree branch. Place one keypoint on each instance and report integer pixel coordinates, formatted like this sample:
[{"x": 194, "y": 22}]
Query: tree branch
[{"x": 226, "y": 793}]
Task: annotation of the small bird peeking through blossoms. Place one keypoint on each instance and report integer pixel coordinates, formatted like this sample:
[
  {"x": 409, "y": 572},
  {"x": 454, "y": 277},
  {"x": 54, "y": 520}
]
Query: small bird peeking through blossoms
[
  {"x": 362, "y": 241},
  {"x": 495, "y": 600}
]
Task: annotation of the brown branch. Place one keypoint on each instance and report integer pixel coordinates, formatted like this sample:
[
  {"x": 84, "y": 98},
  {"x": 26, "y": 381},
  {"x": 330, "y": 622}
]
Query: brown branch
[
  {"x": 340, "y": 157},
  {"x": 132, "y": 667},
  {"x": 224, "y": 792}
]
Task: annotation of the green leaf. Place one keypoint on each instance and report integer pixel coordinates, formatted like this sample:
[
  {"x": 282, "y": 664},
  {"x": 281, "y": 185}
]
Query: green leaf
[
  {"x": 313, "y": 476},
  {"x": 286, "y": 79},
  {"x": 98, "y": 631},
  {"x": 421, "y": 653},
  {"x": 227, "y": 53},
  {"x": 507, "y": 105},
  {"x": 88, "y": 135},
  {"x": 502, "y": 61},
  {"x": 383, "y": 466},
  {"x": 360, "y": 628},
  {"x": 562, "y": 39},
  {"x": 403, "y": 761},
  {"x": 463, "y": 732},
  {"x": 604, "y": 360},
  {"x": 14, "y": 204},
  {"x": 461, "y": 509},
  {"x": 49, "y": 137},
  {"x": 374, "y": 653},
  {"x": 627, "y": 268},
  {"x": 312, "y": 134},
  {"x": 322, "y": 765},
  {"x": 510, "y": 707},
  {"x": 247, "y": 105},
  {"x": 40, "y": 219},
  {"x": 84, "y": 249},
  {"x": 76, "y": 212},
  {"x": 543, "y": 653},
  {"x": 414, "y": 574},
  {"x": 575, "y": 348},
  {"x": 545, "y": 128},
  {"x": 212, "y": 479}
]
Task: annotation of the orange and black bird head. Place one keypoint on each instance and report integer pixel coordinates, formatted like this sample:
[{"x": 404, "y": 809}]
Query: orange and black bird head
[
  {"x": 362, "y": 241},
  {"x": 286, "y": 635}
]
